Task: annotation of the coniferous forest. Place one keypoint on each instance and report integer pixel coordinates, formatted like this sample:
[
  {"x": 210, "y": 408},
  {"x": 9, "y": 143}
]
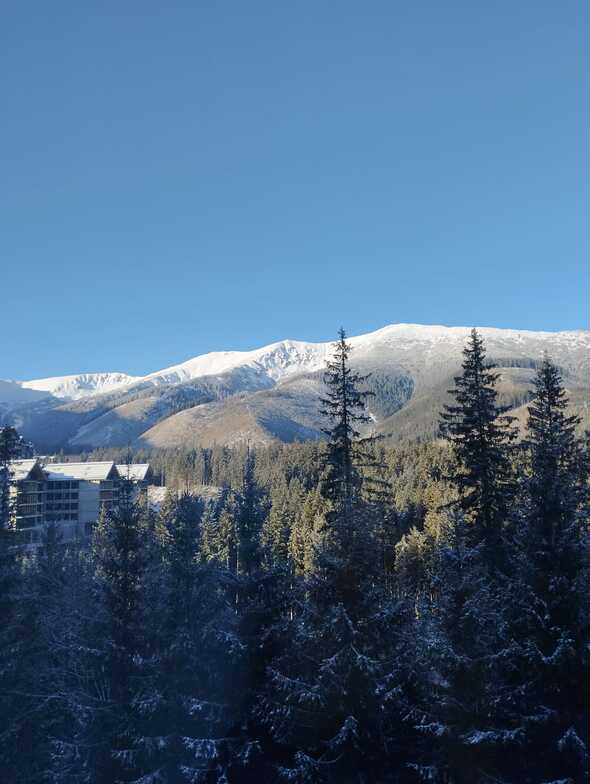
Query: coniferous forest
[{"x": 339, "y": 612}]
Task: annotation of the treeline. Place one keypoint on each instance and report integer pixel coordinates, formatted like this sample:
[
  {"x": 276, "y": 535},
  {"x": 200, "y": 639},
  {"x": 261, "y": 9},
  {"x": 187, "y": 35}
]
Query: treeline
[{"x": 339, "y": 613}]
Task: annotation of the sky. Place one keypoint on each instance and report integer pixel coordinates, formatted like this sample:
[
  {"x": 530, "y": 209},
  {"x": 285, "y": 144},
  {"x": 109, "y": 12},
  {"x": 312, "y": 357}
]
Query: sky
[{"x": 183, "y": 177}]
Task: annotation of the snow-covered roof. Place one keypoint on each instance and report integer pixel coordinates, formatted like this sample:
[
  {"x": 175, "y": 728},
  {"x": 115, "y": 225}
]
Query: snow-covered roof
[
  {"x": 137, "y": 472},
  {"x": 20, "y": 469},
  {"x": 89, "y": 472}
]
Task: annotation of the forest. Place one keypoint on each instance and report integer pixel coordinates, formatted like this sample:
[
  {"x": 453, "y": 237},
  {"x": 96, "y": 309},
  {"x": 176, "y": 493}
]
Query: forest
[{"x": 338, "y": 612}]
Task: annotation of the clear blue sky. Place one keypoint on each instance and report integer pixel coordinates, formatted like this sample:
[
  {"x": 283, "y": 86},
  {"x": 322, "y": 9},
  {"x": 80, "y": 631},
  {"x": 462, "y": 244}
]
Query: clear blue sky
[{"x": 179, "y": 177}]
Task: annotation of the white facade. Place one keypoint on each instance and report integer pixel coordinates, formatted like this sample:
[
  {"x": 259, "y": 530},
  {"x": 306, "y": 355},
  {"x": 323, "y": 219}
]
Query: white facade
[{"x": 71, "y": 495}]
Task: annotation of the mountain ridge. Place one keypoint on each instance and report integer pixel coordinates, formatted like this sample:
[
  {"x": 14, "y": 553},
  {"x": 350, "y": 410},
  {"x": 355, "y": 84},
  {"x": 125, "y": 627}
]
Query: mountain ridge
[
  {"x": 272, "y": 393},
  {"x": 215, "y": 362}
]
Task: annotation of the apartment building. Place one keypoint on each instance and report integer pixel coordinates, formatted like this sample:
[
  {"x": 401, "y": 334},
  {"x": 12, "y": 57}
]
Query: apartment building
[
  {"x": 70, "y": 494},
  {"x": 27, "y": 493}
]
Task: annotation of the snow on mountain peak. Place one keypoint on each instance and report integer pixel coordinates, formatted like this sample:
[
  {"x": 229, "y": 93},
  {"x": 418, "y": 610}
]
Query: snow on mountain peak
[
  {"x": 81, "y": 385},
  {"x": 275, "y": 361},
  {"x": 414, "y": 343}
]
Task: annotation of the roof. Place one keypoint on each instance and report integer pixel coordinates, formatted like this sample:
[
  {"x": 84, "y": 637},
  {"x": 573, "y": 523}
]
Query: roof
[
  {"x": 90, "y": 472},
  {"x": 137, "y": 472},
  {"x": 20, "y": 469}
]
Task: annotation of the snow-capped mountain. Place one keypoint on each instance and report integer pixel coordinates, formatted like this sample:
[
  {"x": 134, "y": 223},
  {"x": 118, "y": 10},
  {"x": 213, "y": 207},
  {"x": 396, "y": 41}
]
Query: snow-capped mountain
[
  {"x": 80, "y": 385},
  {"x": 272, "y": 392},
  {"x": 275, "y": 362}
]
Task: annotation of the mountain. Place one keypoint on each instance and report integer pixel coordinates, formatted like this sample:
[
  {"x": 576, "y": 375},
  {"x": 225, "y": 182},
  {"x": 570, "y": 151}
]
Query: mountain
[
  {"x": 272, "y": 393},
  {"x": 81, "y": 385}
]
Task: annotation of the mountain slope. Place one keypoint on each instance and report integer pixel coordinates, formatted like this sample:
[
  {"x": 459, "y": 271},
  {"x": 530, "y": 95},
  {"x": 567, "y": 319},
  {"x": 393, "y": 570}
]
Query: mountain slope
[
  {"x": 81, "y": 385},
  {"x": 273, "y": 393}
]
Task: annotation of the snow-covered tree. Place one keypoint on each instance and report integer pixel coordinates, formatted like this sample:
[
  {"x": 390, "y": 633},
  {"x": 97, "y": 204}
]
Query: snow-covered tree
[
  {"x": 546, "y": 690},
  {"x": 334, "y": 698},
  {"x": 119, "y": 555},
  {"x": 13, "y": 590},
  {"x": 189, "y": 710}
]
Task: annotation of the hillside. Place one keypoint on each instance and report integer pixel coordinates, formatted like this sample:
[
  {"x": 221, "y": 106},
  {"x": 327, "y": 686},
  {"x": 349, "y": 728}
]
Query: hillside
[{"x": 272, "y": 393}]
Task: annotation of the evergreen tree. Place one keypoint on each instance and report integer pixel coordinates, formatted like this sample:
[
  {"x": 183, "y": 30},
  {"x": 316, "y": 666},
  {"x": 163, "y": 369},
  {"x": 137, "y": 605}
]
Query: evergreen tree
[
  {"x": 119, "y": 557},
  {"x": 278, "y": 527},
  {"x": 13, "y": 588},
  {"x": 546, "y": 693},
  {"x": 480, "y": 435},
  {"x": 308, "y": 528},
  {"x": 344, "y": 409},
  {"x": 557, "y": 483},
  {"x": 334, "y": 699},
  {"x": 462, "y": 630},
  {"x": 189, "y": 711},
  {"x": 233, "y": 527},
  {"x": 465, "y": 613},
  {"x": 37, "y": 711},
  {"x": 251, "y": 506},
  {"x": 73, "y": 683},
  {"x": 12, "y": 447}
]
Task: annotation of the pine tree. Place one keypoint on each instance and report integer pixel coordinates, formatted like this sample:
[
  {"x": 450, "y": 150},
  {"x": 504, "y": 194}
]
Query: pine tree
[
  {"x": 309, "y": 526},
  {"x": 463, "y": 624},
  {"x": 250, "y": 510},
  {"x": 278, "y": 527},
  {"x": 462, "y": 631},
  {"x": 233, "y": 527},
  {"x": 557, "y": 486},
  {"x": 334, "y": 696},
  {"x": 119, "y": 557},
  {"x": 480, "y": 435},
  {"x": 344, "y": 409},
  {"x": 13, "y": 587},
  {"x": 37, "y": 713},
  {"x": 190, "y": 709},
  {"x": 12, "y": 447},
  {"x": 546, "y": 692}
]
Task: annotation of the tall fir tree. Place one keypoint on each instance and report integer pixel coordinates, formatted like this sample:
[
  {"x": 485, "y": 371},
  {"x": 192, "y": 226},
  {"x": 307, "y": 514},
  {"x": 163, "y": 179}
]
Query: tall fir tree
[
  {"x": 189, "y": 711},
  {"x": 465, "y": 575},
  {"x": 38, "y": 712},
  {"x": 12, "y": 589},
  {"x": 546, "y": 691},
  {"x": 334, "y": 700},
  {"x": 308, "y": 528},
  {"x": 12, "y": 447},
  {"x": 119, "y": 550},
  {"x": 481, "y": 436},
  {"x": 251, "y": 508},
  {"x": 344, "y": 409}
]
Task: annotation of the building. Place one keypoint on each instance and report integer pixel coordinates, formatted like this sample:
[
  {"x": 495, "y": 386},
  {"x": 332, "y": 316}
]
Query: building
[
  {"x": 140, "y": 474},
  {"x": 27, "y": 493},
  {"x": 69, "y": 494},
  {"x": 77, "y": 492}
]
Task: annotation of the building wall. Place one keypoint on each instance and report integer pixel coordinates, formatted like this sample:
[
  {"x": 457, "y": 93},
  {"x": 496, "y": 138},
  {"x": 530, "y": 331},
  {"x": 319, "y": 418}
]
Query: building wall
[
  {"x": 61, "y": 501},
  {"x": 27, "y": 500},
  {"x": 88, "y": 502},
  {"x": 74, "y": 505}
]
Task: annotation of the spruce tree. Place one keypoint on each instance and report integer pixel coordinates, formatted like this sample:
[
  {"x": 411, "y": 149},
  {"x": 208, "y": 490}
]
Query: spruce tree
[
  {"x": 13, "y": 587},
  {"x": 481, "y": 436},
  {"x": 251, "y": 508},
  {"x": 119, "y": 549},
  {"x": 12, "y": 447},
  {"x": 344, "y": 409},
  {"x": 38, "y": 708},
  {"x": 308, "y": 528},
  {"x": 547, "y": 669},
  {"x": 466, "y": 580},
  {"x": 334, "y": 699},
  {"x": 189, "y": 710}
]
